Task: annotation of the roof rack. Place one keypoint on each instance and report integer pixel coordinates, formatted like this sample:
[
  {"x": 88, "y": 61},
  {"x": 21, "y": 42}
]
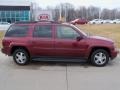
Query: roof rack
[
  {"x": 28, "y": 22},
  {"x": 25, "y": 22}
]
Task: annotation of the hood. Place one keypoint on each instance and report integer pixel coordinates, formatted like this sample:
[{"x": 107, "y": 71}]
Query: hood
[{"x": 101, "y": 38}]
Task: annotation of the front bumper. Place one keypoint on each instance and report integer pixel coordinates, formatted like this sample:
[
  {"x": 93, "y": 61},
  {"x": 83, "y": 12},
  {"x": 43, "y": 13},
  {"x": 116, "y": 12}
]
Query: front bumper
[{"x": 114, "y": 53}]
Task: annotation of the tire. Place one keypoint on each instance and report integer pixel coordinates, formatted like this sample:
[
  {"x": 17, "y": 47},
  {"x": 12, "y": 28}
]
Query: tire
[
  {"x": 21, "y": 57},
  {"x": 99, "y": 58}
]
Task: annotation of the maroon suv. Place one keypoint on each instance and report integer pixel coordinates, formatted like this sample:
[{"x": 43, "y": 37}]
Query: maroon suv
[
  {"x": 50, "y": 41},
  {"x": 79, "y": 21}
]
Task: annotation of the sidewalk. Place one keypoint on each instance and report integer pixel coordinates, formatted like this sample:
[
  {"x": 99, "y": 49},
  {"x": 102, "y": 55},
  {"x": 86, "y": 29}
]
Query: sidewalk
[{"x": 60, "y": 76}]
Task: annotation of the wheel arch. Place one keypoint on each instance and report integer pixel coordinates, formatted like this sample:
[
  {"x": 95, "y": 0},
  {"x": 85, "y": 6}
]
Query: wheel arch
[
  {"x": 19, "y": 47},
  {"x": 96, "y": 48}
]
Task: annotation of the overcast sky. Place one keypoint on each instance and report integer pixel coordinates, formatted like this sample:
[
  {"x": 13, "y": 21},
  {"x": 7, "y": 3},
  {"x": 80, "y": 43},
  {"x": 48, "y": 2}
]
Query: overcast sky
[
  {"x": 77, "y": 3},
  {"x": 100, "y": 3}
]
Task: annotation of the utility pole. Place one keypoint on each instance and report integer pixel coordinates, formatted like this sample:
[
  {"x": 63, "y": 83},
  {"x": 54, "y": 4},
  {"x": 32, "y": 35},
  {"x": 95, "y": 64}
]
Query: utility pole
[
  {"x": 65, "y": 13},
  {"x": 116, "y": 13},
  {"x": 60, "y": 12},
  {"x": 100, "y": 13}
]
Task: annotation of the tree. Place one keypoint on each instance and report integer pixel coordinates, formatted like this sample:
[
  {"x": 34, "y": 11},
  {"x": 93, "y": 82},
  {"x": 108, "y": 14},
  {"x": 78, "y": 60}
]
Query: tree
[{"x": 69, "y": 12}]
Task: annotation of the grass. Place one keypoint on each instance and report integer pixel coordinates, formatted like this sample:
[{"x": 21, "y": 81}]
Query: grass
[
  {"x": 111, "y": 31},
  {"x": 1, "y": 36}
]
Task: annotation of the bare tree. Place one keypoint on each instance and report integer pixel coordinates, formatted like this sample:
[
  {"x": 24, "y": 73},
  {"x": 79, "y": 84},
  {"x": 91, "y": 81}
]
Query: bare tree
[{"x": 69, "y": 12}]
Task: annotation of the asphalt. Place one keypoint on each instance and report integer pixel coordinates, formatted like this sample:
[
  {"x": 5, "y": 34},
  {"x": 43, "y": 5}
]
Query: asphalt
[{"x": 58, "y": 76}]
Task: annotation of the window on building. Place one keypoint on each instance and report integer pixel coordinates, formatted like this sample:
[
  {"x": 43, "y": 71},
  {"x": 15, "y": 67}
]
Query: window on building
[
  {"x": 17, "y": 13},
  {"x": 3, "y": 14},
  {"x": 3, "y": 20},
  {"x": 0, "y": 14},
  {"x": 7, "y": 14},
  {"x": 12, "y": 14}
]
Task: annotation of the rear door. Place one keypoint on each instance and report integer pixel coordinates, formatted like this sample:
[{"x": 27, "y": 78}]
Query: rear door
[{"x": 43, "y": 41}]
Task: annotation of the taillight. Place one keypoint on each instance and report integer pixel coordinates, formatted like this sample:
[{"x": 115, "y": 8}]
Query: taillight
[{"x": 5, "y": 42}]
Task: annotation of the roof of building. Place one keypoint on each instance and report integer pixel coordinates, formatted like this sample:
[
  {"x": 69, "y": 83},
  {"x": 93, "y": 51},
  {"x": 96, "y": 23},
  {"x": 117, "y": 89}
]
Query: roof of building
[{"x": 15, "y": 3}]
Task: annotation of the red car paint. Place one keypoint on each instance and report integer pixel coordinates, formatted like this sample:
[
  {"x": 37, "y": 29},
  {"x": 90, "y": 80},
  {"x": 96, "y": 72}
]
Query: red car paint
[
  {"x": 57, "y": 47},
  {"x": 79, "y": 21}
]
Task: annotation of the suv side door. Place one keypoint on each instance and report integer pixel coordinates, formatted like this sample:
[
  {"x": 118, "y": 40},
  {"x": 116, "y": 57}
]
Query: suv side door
[
  {"x": 43, "y": 40},
  {"x": 66, "y": 44}
]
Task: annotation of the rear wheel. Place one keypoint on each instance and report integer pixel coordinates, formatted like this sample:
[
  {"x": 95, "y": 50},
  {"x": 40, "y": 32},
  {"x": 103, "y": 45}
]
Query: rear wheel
[
  {"x": 21, "y": 57},
  {"x": 100, "y": 57}
]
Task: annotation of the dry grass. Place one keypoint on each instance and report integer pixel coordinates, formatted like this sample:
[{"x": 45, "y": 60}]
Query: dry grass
[
  {"x": 111, "y": 31},
  {"x": 1, "y": 36}
]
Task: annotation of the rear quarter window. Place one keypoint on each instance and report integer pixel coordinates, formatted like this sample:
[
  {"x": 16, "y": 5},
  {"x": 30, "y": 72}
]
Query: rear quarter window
[{"x": 17, "y": 31}]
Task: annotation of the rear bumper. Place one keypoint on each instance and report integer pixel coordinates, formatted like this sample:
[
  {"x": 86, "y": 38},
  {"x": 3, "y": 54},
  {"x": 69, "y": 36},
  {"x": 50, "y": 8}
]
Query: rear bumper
[
  {"x": 5, "y": 51},
  {"x": 114, "y": 54}
]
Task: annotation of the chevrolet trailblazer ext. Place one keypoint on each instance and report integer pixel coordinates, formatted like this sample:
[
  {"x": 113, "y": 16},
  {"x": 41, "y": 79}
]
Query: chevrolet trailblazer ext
[{"x": 51, "y": 41}]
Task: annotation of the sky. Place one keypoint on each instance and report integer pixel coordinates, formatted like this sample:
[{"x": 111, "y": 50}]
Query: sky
[{"x": 110, "y": 4}]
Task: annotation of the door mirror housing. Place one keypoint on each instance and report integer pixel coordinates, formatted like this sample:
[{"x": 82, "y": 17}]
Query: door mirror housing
[{"x": 79, "y": 38}]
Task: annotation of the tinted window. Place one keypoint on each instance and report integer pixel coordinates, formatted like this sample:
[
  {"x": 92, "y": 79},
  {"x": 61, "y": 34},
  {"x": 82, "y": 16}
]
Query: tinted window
[
  {"x": 17, "y": 31},
  {"x": 65, "y": 32},
  {"x": 44, "y": 31}
]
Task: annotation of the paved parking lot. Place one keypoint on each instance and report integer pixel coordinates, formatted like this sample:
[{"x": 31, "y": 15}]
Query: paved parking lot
[{"x": 58, "y": 76}]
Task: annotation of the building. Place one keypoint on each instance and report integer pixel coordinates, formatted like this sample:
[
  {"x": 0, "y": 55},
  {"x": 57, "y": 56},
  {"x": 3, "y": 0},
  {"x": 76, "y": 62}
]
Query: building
[{"x": 14, "y": 10}]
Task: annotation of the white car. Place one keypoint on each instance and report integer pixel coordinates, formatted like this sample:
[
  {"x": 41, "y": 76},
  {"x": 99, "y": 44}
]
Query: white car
[
  {"x": 116, "y": 21},
  {"x": 4, "y": 25},
  {"x": 107, "y": 21},
  {"x": 96, "y": 21}
]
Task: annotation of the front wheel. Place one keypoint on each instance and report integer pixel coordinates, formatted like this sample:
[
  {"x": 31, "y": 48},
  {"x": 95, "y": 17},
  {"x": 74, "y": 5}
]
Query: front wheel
[
  {"x": 21, "y": 57},
  {"x": 100, "y": 57}
]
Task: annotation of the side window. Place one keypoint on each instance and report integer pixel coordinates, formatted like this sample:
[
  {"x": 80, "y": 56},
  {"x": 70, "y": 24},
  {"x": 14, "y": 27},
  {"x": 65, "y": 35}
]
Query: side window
[
  {"x": 17, "y": 31},
  {"x": 64, "y": 32},
  {"x": 44, "y": 31}
]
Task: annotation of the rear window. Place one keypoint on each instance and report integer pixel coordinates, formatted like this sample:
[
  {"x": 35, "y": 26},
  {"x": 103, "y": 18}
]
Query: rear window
[{"x": 17, "y": 31}]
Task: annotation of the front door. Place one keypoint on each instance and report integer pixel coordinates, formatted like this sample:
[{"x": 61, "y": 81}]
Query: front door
[{"x": 66, "y": 44}]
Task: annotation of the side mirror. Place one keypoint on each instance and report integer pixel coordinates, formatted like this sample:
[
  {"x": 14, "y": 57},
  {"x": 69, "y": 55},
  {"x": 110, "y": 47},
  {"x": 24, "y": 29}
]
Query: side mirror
[{"x": 79, "y": 38}]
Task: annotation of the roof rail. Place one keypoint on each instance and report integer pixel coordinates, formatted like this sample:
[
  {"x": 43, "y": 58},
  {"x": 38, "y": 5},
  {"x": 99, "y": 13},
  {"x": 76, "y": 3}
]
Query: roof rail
[
  {"x": 49, "y": 22},
  {"x": 27, "y": 22}
]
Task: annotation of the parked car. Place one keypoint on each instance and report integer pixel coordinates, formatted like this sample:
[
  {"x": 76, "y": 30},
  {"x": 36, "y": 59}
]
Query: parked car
[
  {"x": 96, "y": 21},
  {"x": 116, "y": 21},
  {"x": 4, "y": 25},
  {"x": 51, "y": 41},
  {"x": 79, "y": 21},
  {"x": 107, "y": 21}
]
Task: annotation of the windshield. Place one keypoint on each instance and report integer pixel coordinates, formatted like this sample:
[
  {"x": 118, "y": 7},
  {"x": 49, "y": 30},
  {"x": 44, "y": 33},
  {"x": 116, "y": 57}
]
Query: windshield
[{"x": 79, "y": 30}]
